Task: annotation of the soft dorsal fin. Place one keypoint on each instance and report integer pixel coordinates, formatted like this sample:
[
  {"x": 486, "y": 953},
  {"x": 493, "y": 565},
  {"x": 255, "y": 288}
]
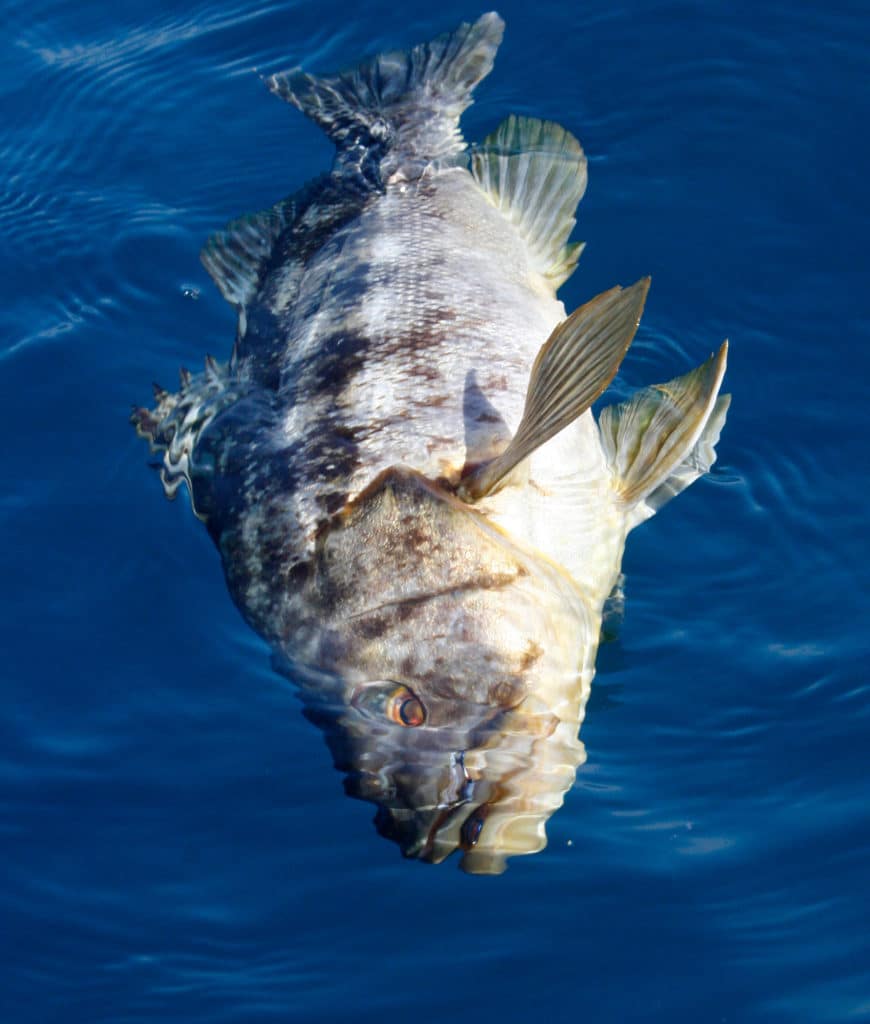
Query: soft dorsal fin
[
  {"x": 409, "y": 102},
  {"x": 662, "y": 438},
  {"x": 236, "y": 256},
  {"x": 574, "y": 366},
  {"x": 535, "y": 173}
]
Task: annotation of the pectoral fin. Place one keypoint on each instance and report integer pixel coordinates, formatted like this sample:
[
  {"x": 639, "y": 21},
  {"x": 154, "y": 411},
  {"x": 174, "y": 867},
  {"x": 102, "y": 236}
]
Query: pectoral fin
[
  {"x": 662, "y": 439},
  {"x": 574, "y": 366},
  {"x": 236, "y": 256}
]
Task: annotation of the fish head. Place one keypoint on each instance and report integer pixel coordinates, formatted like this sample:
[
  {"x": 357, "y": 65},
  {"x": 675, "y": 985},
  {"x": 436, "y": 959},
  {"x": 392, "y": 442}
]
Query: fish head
[{"x": 459, "y": 663}]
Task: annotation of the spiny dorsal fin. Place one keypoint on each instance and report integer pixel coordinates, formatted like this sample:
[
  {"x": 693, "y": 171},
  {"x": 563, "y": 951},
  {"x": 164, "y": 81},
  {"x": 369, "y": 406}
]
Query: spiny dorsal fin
[
  {"x": 574, "y": 366},
  {"x": 659, "y": 434},
  {"x": 408, "y": 101},
  {"x": 535, "y": 173},
  {"x": 178, "y": 420},
  {"x": 236, "y": 256}
]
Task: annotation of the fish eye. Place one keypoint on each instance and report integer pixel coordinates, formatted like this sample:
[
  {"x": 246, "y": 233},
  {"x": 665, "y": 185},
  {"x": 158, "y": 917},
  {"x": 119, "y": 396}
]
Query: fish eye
[{"x": 405, "y": 708}]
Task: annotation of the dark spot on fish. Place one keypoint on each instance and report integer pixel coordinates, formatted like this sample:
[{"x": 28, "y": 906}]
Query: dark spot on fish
[
  {"x": 415, "y": 537},
  {"x": 363, "y": 785},
  {"x": 332, "y": 502},
  {"x": 329, "y": 451},
  {"x": 508, "y": 693},
  {"x": 323, "y": 462},
  {"x": 373, "y": 627},
  {"x": 447, "y": 483},
  {"x": 412, "y": 348},
  {"x": 345, "y": 433},
  {"x": 404, "y": 610},
  {"x": 531, "y": 654},
  {"x": 468, "y": 467},
  {"x": 298, "y": 575},
  {"x": 337, "y": 361},
  {"x": 469, "y": 834}
]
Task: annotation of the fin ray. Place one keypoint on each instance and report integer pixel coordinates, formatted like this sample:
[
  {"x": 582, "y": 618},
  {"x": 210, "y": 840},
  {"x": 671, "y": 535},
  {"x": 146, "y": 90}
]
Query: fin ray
[
  {"x": 662, "y": 439},
  {"x": 406, "y": 101},
  {"x": 178, "y": 421},
  {"x": 535, "y": 173},
  {"x": 573, "y": 367},
  {"x": 235, "y": 257},
  {"x": 698, "y": 462}
]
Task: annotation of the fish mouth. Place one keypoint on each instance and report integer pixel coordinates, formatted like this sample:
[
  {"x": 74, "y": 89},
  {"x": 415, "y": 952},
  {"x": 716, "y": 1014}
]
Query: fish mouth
[
  {"x": 415, "y": 830},
  {"x": 453, "y": 644},
  {"x": 456, "y": 825},
  {"x": 484, "y": 791}
]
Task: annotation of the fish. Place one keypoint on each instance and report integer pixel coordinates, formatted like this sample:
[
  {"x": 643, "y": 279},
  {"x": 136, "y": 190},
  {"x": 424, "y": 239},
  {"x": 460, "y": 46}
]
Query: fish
[{"x": 399, "y": 464}]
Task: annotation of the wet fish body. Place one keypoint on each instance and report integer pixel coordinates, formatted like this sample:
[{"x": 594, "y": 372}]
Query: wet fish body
[{"x": 412, "y": 499}]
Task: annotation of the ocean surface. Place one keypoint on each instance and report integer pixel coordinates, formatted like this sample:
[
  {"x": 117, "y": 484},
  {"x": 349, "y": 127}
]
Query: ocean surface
[{"x": 175, "y": 844}]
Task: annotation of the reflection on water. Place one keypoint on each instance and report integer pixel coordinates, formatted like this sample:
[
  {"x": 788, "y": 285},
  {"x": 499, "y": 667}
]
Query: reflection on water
[{"x": 484, "y": 785}]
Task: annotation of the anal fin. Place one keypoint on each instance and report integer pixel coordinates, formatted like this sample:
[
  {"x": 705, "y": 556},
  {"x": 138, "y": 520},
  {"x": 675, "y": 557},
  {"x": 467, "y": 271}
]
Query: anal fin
[{"x": 573, "y": 367}]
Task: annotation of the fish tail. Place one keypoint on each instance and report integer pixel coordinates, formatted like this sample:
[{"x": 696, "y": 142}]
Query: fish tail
[{"x": 401, "y": 104}]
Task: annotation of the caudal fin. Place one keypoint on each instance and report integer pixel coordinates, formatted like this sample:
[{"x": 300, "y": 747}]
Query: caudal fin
[{"x": 408, "y": 103}]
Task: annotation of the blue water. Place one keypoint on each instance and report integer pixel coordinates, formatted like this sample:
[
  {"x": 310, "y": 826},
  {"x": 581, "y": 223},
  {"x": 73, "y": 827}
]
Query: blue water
[{"x": 175, "y": 845}]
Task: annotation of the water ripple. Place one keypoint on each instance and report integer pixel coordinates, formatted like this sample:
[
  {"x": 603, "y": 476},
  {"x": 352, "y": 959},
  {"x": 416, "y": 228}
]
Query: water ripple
[{"x": 177, "y": 845}]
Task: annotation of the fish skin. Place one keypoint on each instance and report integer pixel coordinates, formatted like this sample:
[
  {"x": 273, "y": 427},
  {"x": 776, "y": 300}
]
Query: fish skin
[
  {"x": 381, "y": 347},
  {"x": 390, "y": 314}
]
